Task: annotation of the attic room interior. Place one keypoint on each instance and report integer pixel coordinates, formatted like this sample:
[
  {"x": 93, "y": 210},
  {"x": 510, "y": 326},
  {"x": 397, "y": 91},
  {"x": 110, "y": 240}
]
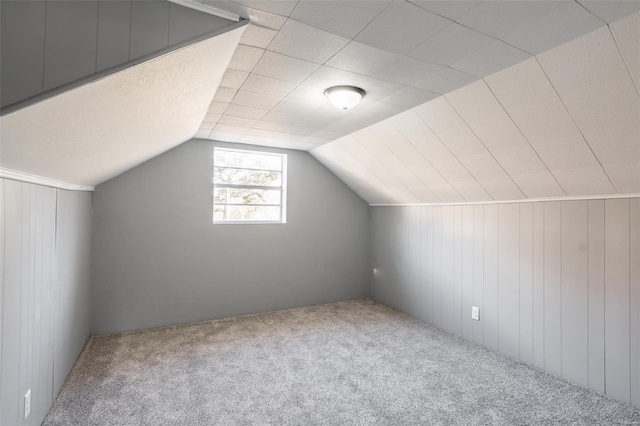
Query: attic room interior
[{"x": 319, "y": 212}]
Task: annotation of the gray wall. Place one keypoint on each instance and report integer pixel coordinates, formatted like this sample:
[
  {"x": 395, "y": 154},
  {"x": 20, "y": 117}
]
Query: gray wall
[
  {"x": 159, "y": 260},
  {"x": 45, "y": 294},
  {"x": 46, "y": 44},
  {"x": 557, "y": 283}
]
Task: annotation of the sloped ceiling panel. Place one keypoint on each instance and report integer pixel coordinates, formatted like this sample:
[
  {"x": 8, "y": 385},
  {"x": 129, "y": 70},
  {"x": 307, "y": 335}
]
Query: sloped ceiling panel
[
  {"x": 92, "y": 133},
  {"x": 563, "y": 123}
]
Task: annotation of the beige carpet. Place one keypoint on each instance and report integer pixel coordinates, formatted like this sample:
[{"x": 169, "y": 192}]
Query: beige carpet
[{"x": 347, "y": 363}]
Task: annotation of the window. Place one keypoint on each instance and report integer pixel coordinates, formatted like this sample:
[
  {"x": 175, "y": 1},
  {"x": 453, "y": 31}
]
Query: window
[{"x": 249, "y": 186}]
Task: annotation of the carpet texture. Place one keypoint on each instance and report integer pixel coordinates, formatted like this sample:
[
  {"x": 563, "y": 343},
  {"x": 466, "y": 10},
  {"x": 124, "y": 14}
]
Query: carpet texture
[{"x": 347, "y": 363}]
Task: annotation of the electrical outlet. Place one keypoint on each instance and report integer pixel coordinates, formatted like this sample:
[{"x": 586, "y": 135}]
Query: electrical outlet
[
  {"x": 475, "y": 313},
  {"x": 27, "y": 403}
]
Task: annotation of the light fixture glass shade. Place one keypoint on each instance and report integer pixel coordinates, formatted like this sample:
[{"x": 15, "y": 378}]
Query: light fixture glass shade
[{"x": 344, "y": 97}]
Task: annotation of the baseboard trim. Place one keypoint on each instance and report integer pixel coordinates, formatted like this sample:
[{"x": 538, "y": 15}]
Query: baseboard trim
[{"x": 40, "y": 180}]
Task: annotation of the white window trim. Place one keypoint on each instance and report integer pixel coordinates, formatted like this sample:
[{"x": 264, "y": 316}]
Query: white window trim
[{"x": 283, "y": 190}]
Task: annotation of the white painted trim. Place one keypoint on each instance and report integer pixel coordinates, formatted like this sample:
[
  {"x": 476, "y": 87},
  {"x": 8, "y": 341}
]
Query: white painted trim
[
  {"x": 207, "y": 9},
  {"x": 40, "y": 180},
  {"x": 526, "y": 200}
]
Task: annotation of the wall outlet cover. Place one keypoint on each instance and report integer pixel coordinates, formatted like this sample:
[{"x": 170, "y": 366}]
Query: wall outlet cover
[
  {"x": 27, "y": 403},
  {"x": 475, "y": 313}
]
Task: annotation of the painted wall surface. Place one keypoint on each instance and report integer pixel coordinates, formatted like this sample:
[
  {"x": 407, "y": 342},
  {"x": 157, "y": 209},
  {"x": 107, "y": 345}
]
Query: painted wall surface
[
  {"x": 159, "y": 259},
  {"x": 557, "y": 283},
  {"x": 45, "y": 294}
]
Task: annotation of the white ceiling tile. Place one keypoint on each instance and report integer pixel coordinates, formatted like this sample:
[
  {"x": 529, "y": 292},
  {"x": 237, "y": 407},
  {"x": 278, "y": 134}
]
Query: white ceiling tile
[
  {"x": 541, "y": 33},
  {"x": 502, "y": 189},
  {"x": 202, "y": 134},
  {"x": 612, "y": 105},
  {"x": 405, "y": 196},
  {"x": 245, "y": 112},
  {"x": 429, "y": 176},
  {"x": 363, "y": 155},
  {"x": 231, "y": 129},
  {"x": 625, "y": 177},
  {"x": 236, "y": 121},
  {"x": 462, "y": 142},
  {"x": 490, "y": 58},
  {"x": 499, "y": 133},
  {"x": 588, "y": 61},
  {"x": 388, "y": 159},
  {"x": 293, "y": 107},
  {"x": 423, "y": 194},
  {"x": 302, "y": 41},
  {"x": 407, "y": 177},
  {"x": 389, "y": 135},
  {"x": 218, "y": 135},
  {"x": 257, "y": 36},
  {"x": 389, "y": 179},
  {"x": 421, "y": 136},
  {"x": 539, "y": 185},
  {"x": 453, "y": 171},
  {"x": 362, "y": 59},
  {"x": 279, "y": 7},
  {"x": 545, "y": 123},
  {"x": 327, "y": 77},
  {"x": 522, "y": 160},
  {"x": 627, "y": 37},
  {"x": 233, "y": 78},
  {"x": 610, "y": 11},
  {"x": 345, "y": 18},
  {"x": 255, "y": 16},
  {"x": 406, "y": 70},
  {"x": 567, "y": 154},
  {"x": 308, "y": 94},
  {"x": 448, "y": 9},
  {"x": 267, "y": 85},
  {"x": 401, "y": 27},
  {"x": 591, "y": 181},
  {"x": 285, "y": 128},
  {"x": 283, "y": 67},
  {"x": 212, "y": 117},
  {"x": 439, "y": 115},
  {"x": 410, "y": 97},
  {"x": 471, "y": 191},
  {"x": 450, "y": 45},
  {"x": 255, "y": 100},
  {"x": 368, "y": 140},
  {"x": 446, "y": 193},
  {"x": 475, "y": 102},
  {"x": 245, "y": 58},
  {"x": 411, "y": 157},
  {"x": 224, "y": 94},
  {"x": 483, "y": 166},
  {"x": 218, "y": 107},
  {"x": 522, "y": 86},
  {"x": 616, "y": 146},
  {"x": 445, "y": 80}
]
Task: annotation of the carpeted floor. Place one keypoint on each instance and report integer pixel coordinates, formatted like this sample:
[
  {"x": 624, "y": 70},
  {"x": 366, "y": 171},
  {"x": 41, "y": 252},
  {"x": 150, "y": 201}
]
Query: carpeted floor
[{"x": 348, "y": 363}]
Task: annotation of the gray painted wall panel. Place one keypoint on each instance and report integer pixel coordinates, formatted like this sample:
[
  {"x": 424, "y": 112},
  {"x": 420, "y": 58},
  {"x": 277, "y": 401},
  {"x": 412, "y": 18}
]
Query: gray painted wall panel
[
  {"x": 437, "y": 266},
  {"x": 2, "y": 243},
  {"x": 634, "y": 255},
  {"x": 556, "y": 251},
  {"x": 457, "y": 296},
  {"x": 490, "y": 297},
  {"x": 617, "y": 357},
  {"x": 508, "y": 308},
  {"x": 575, "y": 366},
  {"x": 429, "y": 260},
  {"x": 31, "y": 304},
  {"x": 538, "y": 285},
  {"x": 70, "y": 47},
  {"x": 595, "y": 251},
  {"x": 151, "y": 233},
  {"x": 553, "y": 287},
  {"x": 114, "y": 31},
  {"x": 526, "y": 282},
  {"x": 21, "y": 64},
  {"x": 448, "y": 269}
]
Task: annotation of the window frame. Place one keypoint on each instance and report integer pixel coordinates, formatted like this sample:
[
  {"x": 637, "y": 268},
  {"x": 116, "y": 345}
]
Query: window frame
[{"x": 282, "y": 188}]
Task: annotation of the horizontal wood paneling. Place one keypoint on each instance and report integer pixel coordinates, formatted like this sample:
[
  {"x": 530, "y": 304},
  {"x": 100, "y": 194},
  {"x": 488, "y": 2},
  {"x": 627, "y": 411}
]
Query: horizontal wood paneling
[{"x": 556, "y": 283}]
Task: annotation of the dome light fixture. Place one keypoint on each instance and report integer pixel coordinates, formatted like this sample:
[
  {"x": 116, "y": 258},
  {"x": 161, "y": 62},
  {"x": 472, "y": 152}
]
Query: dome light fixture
[{"x": 344, "y": 97}]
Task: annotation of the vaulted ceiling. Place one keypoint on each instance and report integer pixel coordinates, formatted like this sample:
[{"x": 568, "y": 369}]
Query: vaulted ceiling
[
  {"x": 563, "y": 123},
  {"x": 403, "y": 53}
]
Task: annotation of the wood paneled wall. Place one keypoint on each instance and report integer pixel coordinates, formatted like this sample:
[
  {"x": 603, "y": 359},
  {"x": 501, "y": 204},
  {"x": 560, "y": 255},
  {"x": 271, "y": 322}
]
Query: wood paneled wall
[
  {"x": 557, "y": 283},
  {"x": 44, "y": 294}
]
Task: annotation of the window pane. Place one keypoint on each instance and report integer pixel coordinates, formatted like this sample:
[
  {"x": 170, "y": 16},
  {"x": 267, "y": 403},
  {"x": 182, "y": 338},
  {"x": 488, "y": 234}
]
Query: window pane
[
  {"x": 246, "y": 196},
  {"x": 247, "y": 160},
  {"x": 246, "y": 213},
  {"x": 222, "y": 175}
]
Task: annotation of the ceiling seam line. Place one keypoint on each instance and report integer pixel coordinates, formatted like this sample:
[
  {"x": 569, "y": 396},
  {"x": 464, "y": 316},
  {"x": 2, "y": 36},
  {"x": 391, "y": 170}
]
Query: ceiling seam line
[
  {"x": 590, "y": 12},
  {"x": 533, "y": 148},
  {"x": 624, "y": 60},
  {"x": 577, "y": 127}
]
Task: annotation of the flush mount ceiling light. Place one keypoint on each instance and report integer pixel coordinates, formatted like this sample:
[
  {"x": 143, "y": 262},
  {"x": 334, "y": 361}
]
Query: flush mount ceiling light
[{"x": 344, "y": 97}]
